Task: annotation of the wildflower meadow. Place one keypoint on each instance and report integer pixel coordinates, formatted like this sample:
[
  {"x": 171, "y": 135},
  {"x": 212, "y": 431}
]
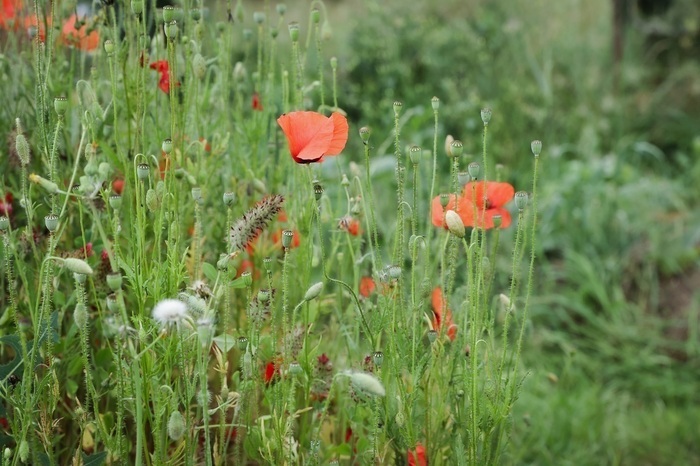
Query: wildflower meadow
[{"x": 340, "y": 232}]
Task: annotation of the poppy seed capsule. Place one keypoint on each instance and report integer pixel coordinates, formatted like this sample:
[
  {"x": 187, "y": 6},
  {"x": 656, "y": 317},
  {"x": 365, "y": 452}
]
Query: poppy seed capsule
[
  {"x": 397, "y": 108},
  {"x": 115, "y": 201},
  {"x": 168, "y": 13},
  {"x": 4, "y": 223},
  {"x": 414, "y": 153},
  {"x": 281, "y": 9},
  {"x": 287, "y": 237},
  {"x": 247, "y": 278},
  {"x": 259, "y": 17},
  {"x": 474, "y": 169},
  {"x": 394, "y": 272},
  {"x": 334, "y": 63},
  {"x": 109, "y": 47},
  {"x": 318, "y": 191},
  {"x": 486, "y": 115},
  {"x": 79, "y": 278},
  {"x": 432, "y": 336},
  {"x": 521, "y": 200},
  {"x": 378, "y": 358},
  {"x": 60, "y": 105},
  {"x": 536, "y": 147},
  {"x": 171, "y": 30},
  {"x": 497, "y": 221},
  {"x": 195, "y": 14},
  {"x": 267, "y": 263},
  {"x": 167, "y": 146},
  {"x": 263, "y": 296},
  {"x": 315, "y": 16},
  {"x": 222, "y": 263},
  {"x": 294, "y": 31},
  {"x": 364, "y": 134},
  {"x": 456, "y": 148},
  {"x": 137, "y": 7},
  {"x": 344, "y": 181},
  {"x": 463, "y": 178},
  {"x": 435, "y": 103},
  {"x": 242, "y": 343},
  {"x": 51, "y": 222},
  {"x": 142, "y": 171},
  {"x": 295, "y": 369},
  {"x": 229, "y": 198},
  {"x": 444, "y": 200},
  {"x": 196, "y": 194},
  {"x": 114, "y": 281}
]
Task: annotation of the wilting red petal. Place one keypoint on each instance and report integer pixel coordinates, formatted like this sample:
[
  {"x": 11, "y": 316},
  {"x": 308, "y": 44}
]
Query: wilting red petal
[
  {"x": 442, "y": 315},
  {"x": 162, "y": 67},
  {"x": 118, "y": 186},
  {"x": 272, "y": 371},
  {"x": 79, "y": 37},
  {"x": 417, "y": 457},
  {"x": 367, "y": 286},
  {"x": 311, "y": 135},
  {"x": 256, "y": 104}
]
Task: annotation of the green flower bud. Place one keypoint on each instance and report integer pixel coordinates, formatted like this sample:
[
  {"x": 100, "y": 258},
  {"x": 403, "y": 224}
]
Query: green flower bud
[
  {"x": 486, "y": 115},
  {"x": 77, "y": 266},
  {"x": 49, "y": 186},
  {"x": 454, "y": 223},
  {"x": 152, "y": 200},
  {"x": 394, "y": 272},
  {"x": 334, "y": 63},
  {"x": 24, "y": 451},
  {"x": 313, "y": 292},
  {"x": 176, "y": 426},
  {"x": 80, "y": 315},
  {"x": 104, "y": 170},
  {"x": 199, "y": 65}
]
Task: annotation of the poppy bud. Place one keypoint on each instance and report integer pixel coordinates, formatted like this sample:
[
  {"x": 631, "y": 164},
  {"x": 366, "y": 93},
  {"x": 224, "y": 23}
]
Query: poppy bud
[
  {"x": 435, "y": 102},
  {"x": 168, "y": 13},
  {"x": 22, "y": 148},
  {"x": 167, "y": 146},
  {"x": 521, "y": 200},
  {"x": 112, "y": 304},
  {"x": 60, "y": 105},
  {"x": 536, "y": 147},
  {"x": 229, "y": 198},
  {"x": 152, "y": 200},
  {"x": 454, "y": 223},
  {"x": 24, "y": 451},
  {"x": 196, "y": 14},
  {"x": 196, "y": 194},
  {"x": 79, "y": 278},
  {"x": 142, "y": 171},
  {"x": 80, "y": 315},
  {"x": 463, "y": 178},
  {"x": 109, "y": 47},
  {"x": 456, "y": 148},
  {"x": 77, "y": 265},
  {"x": 367, "y": 383},
  {"x": 287, "y": 237},
  {"x": 448, "y": 145},
  {"x": 115, "y": 201},
  {"x": 51, "y": 222},
  {"x": 4, "y": 223},
  {"x": 378, "y": 358},
  {"x": 432, "y": 335},
  {"x": 315, "y": 16},
  {"x": 171, "y": 30},
  {"x": 364, "y": 134},
  {"x": 326, "y": 30},
  {"x": 259, "y": 17},
  {"x": 394, "y": 272},
  {"x": 104, "y": 170},
  {"x": 444, "y": 200},
  {"x": 199, "y": 65},
  {"x": 7, "y": 454},
  {"x": 114, "y": 281},
  {"x": 397, "y": 108},
  {"x": 294, "y": 31},
  {"x": 334, "y": 63},
  {"x": 281, "y": 9},
  {"x": 176, "y": 425},
  {"x": 486, "y": 115},
  {"x": 259, "y": 185},
  {"x": 242, "y": 343},
  {"x": 414, "y": 153},
  {"x": 50, "y": 186},
  {"x": 313, "y": 292},
  {"x": 474, "y": 169}
]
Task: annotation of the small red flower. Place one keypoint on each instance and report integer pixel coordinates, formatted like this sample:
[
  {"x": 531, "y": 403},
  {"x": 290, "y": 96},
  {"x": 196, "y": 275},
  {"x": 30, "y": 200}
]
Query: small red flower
[
  {"x": 76, "y": 33},
  {"x": 4, "y": 424},
  {"x": 311, "y": 135},
  {"x": 417, "y": 457},
  {"x": 442, "y": 315},
  {"x": 118, "y": 186},
  {"x": 9, "y": 11},
  {"x": 256, "y": 104},
  {"x": 6, "y": 205},
  {"x": 351, "y": 225},
  {"x": 162, "y": 67},
  {"x": 367, "y": 286},
  {"x": 272, "y": 372}
]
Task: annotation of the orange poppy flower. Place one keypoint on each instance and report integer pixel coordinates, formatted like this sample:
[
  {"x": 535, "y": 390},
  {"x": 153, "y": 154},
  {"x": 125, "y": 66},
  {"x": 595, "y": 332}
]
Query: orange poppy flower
[
  {"x": 417, "y": 457},
  {"x": 442, "y": 315},
  {"x": 351, "y": 225},
  {"x": 256, "y": 104},
  {"x": 9, "y": 11},
  {"x": 367, "y": 286},
  {"x": 83, "y": 37},
  {"x": 311, "y": 135},
  {"x": 479, "y": 202}
]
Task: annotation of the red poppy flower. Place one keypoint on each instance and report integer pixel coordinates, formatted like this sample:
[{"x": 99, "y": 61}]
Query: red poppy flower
[
  {"x": 272, "y": 372},
  {"x": 9, "y": 12},
  {"x": 162, "y": 67},
  {"x": 479, "y": 202},
  {"x": 311, "y": 135},
  {"x": 351, "y": 225},
  {"x": 367, "y": 286},
  {"x": 6, "y": 205},
  {"x": 118, "y": 186},
  {"x": 442, "y": 315},
  {"x": 417, "y": 457},
  {"x": 82, "y": 37},
  {"x": 256, "y": 104}
]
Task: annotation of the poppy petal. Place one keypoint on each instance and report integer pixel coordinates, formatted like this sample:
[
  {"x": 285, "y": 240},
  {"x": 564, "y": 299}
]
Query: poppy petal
[
  {"x": 340, "y": 134},
  {"x": 499, "y": 194},
  {"x": 438, "y": 213},
  {"x": 308, "y": 133}
]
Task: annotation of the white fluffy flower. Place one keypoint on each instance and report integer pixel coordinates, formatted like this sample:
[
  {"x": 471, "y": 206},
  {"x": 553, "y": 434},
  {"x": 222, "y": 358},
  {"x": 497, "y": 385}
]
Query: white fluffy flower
[
  {"x": 170, "y": 312},
  {"x": 366, "y": 382}
]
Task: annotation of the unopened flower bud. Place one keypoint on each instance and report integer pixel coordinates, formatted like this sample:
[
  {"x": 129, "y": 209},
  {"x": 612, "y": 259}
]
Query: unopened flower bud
[
  {"x": 152, "y": 200},
  {"x": 137, "y": 6},
  {"x": 394, "y": 272},
  {"x": 521, "y": 200},
  {"x": 448, "y": 145},
  {"x": 199, "y": 65},
  {"x": 51, "y": 222},
  {"x": 474, "y": 169},
  {"x": 80, "y": 315},
  {"x": 326, "y": 30},
  {"x": 536, "y": 147},
  {"x": 313, "y": 292},
  {"x": 334, "y": 63},
  {"x": 486, "y": 115},
  {"x": 454, "y": 223},
  {"x": 49, "y": 186},
  {"x": 176, "y": 425},
  {"x": 77, "y": 265},
  {"x": 23, "y": 451},
  {"x": 456, "y": 148}
]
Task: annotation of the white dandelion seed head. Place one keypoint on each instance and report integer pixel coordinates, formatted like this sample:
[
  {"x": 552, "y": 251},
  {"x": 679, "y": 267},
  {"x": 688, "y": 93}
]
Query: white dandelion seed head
[{"x": 170, "y": 312}]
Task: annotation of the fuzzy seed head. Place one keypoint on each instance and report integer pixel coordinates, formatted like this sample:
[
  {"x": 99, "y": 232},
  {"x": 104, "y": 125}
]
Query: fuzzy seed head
[
  {"x": 22, "y": 148},
  {"x": 367, "y": 383},
  {"x": 170, "y": 312}
]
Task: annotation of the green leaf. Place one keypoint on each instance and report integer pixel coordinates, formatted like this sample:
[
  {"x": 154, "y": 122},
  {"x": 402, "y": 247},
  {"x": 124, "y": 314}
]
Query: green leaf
[
  {"x": 225, "y": 342},
  {"x": 96, "y": 459},
  {"x": 14, "y": 366},
  {"x": 209, "y": 271},
  {"x": 238, "y": 283}
]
